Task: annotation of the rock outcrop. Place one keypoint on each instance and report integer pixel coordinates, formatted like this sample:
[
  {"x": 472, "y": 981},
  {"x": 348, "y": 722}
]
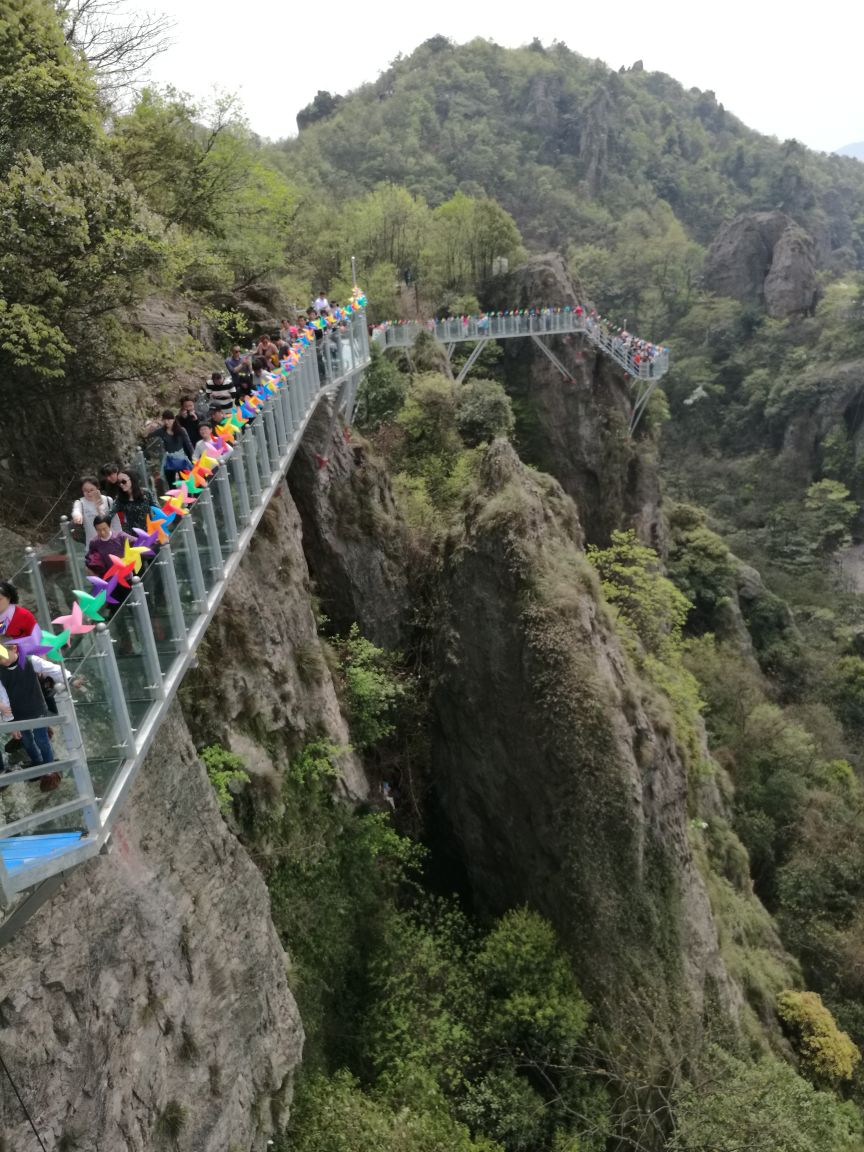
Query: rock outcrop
[
  {"x": 764, "y": 258},
  {"x": 557, "y": 769},
  {"x": 578, "y": 429},
  {"x": 149, "y": 998},
  {"x": 353, "y": 539}
]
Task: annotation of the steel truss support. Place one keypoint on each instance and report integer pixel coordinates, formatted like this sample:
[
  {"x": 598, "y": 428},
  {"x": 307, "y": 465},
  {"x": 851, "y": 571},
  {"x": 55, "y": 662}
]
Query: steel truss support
[
  {"x": 646, "y": 389},
  {"x": 550, "y": 355},
  {"x": 472, "y": 357}
]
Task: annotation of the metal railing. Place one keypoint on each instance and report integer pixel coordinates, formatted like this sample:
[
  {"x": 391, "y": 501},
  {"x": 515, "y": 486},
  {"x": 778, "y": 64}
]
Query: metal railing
[
  {"x": 122, "y": 676},
  {"x": 640, "y": 358}
]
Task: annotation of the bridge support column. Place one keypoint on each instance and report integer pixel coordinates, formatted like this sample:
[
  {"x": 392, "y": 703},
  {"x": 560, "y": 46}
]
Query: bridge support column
[
  {"x": 259, "y": 433},
  {"x": 469, "y": 363},
  {"x": 193, "y": 557},
  {"x": 550, "y": 355}
]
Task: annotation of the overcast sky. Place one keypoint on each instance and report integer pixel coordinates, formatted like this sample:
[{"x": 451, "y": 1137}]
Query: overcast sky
[{"x": 784, "y": 68}]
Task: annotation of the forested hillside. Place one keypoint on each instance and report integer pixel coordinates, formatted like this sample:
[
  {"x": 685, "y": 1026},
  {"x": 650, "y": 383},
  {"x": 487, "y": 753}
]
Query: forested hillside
[{"x": 614, "y": 684}]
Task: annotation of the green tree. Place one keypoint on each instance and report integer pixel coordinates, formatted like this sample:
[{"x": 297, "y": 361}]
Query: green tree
[{"x": 483, "y": 411}]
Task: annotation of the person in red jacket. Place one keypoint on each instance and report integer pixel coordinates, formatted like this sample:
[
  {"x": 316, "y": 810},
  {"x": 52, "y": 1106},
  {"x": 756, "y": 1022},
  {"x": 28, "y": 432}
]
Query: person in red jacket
[{"x": 15, "y": 621}]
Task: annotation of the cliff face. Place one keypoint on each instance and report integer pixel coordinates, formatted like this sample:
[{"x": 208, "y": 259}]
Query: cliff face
[
  {"x": 764, "y": 258},
  {"x": 578, "y": 429},
  {"x": 559, "y": 778},
  {"x": 148, "y": 1000},
  {"x": 153, "y": 985}
]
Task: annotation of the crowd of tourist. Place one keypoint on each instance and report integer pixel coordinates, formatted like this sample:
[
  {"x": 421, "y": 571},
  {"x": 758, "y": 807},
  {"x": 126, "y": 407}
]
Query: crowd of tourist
[{"x": 110, "y": 507}]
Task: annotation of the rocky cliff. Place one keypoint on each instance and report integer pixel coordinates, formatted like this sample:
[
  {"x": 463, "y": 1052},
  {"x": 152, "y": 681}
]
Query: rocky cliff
[
  {"x": 764, "y": 258},
  {"x": 147, "y": 1004},
  {"x": 577, "y": 429},
  {"x": 556, "y": 769}
]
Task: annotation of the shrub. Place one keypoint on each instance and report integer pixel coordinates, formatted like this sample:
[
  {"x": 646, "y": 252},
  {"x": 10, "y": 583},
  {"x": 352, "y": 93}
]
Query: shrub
[
  {"x": 827, "y": 1055},
  {"x": 224, "y": 768},
  {"x": 373, "y": 689}
]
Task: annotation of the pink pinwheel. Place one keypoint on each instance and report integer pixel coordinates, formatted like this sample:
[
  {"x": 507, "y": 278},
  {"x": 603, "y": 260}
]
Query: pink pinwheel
[{"x": 74, "y": 622}]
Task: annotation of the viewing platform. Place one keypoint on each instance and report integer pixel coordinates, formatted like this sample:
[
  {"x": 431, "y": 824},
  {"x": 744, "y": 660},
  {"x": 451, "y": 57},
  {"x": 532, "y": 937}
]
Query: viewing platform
[{"x": 646, "y": 363}]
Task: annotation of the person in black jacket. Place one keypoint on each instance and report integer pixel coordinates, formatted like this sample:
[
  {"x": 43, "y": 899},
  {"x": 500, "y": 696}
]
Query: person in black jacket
[
  {"x": 21, "y": 696},
  {"x": 176, "y": 446},
  {"x": 188, "y": 419}
]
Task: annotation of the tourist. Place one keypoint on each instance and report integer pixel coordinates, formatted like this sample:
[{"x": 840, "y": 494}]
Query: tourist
[
  {"x": 240, "y": 370},
  {"x": 22, "y": 698},
  {"x": 320, "y": 304},
  {"x": 188, "y": 418},
  {"x": 15, "y": 621},
  {"x": 176, "y": 447},
  {"x": 206, "y": 443},
  {"x": 219, "y": 392},
  {"x": 133, "y": 504},
  {"x": 105, "y": 545},
  {"x": 90, "y": 504},
  {"x": 108, "y": 480}
]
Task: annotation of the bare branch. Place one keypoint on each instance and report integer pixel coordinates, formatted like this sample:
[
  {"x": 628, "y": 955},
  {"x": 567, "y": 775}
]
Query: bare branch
[{"x": 118, "y": 41}]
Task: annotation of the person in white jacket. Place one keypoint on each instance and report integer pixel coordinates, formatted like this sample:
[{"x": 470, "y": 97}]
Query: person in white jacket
[{"x": 90, "y": 504}]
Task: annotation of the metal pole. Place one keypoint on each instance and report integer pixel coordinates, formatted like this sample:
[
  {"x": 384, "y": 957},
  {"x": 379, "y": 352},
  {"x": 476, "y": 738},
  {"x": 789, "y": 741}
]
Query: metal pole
[
  {"x": 272, "y": 438},
  {"x": 119, "y": 712},
  {"x": 223, "y": 488},
  {"x": 141, "y": 464},
  {"x": 285, "y": 405},
  {"x": 238, "y": 467},
  {"x": 172, "y": 593},
  {"x": 74, "y": 558},
  {"x": 250, "y": 445},
  {"x": 294, "y": 402},
  {"x": 211, "y": 528},
  {"x": 38, "y": 586},
  {"x": 75, "y": 751},
  {"x": 196, "y": 573},
  {"x": 278, "y": 413},
  {"x": 354, "y": 271},
  {"x": 260, "y": 434},
  {"x": 138, "y": 597}
]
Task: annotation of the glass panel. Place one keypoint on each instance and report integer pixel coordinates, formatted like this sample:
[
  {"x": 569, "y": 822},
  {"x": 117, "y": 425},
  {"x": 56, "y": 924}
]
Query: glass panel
[
  {"x": 26, "y": 797},
  {"x": 138, "y": 690},
  {"x": 168, "y": 646},
  {"x": 94, "y": 712}
]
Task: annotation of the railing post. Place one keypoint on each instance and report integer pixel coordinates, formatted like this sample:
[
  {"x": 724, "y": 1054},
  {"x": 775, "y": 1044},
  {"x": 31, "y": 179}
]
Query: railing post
[
  {"x": 138, "y": 597},
  {"x": 75, "y": 750},
  {"x": 211, "y": 528},
  {"x": 74, "y": 559},
  {"x": 250, "y": 447},
  {"x": 141, "y": 465},
  {"x": 110, "y": 671},
  {"x": 279, "y": 416},
  {"x": 165, "y": 561},
  {"x": 285, "y": 405},
  {"x": 226, "y": 502},
  {"x": 260, "y": 434},
  {"x": 294, "y": 400},
  {"x": 272, "y": 438},
  {"x": 38, "y": 586},
  {"x": 193, "y": 556},
  {"x": 237, "y": 464}
]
